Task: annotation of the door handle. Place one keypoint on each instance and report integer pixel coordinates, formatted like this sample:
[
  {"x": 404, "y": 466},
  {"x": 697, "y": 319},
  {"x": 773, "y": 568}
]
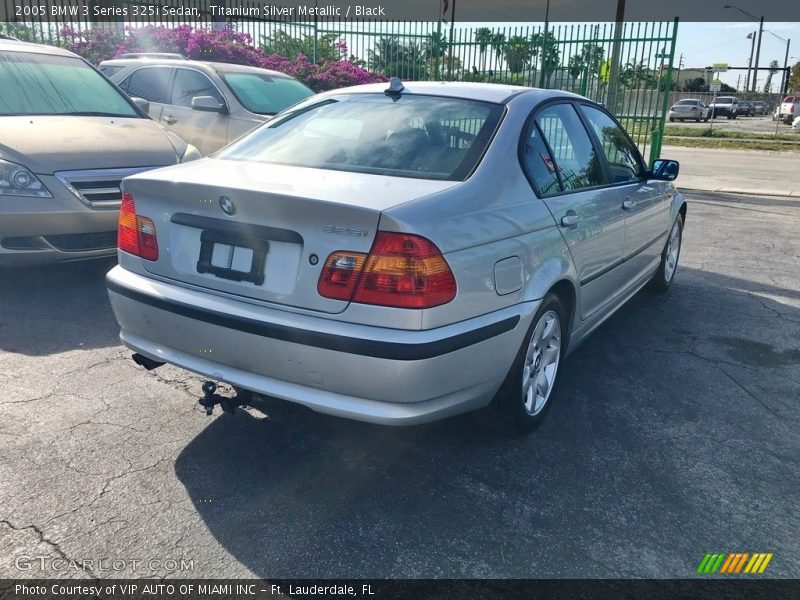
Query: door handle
[
  {"x": 570, "y": 220},
  {"x": 628, "y": 204},
  {"x": 169, "y": 119}
]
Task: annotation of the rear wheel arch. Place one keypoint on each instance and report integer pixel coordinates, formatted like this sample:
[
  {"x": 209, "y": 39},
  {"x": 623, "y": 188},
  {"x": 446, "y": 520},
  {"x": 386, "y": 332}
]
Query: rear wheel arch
[{"x": 565, "y": 291}]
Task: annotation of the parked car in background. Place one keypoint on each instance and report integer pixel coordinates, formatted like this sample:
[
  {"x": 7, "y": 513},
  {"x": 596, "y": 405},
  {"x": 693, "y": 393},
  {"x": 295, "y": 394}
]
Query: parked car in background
[
  {"x": 208, "y": 104},
  {"x": 762, "y": 108},
  {"x": 789, "y": 109},
  {"x": 746, "y": 109},
  {"x": 724, "y": 106},
  {"x": 67, "y": 138},
  {"x": 397, "y": 255},
  {"x": 796, "y": 124},
  {"x": 689, "y": 108}
]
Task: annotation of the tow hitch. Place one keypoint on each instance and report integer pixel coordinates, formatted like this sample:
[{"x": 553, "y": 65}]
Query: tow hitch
[{"x": 210, "y": 399}]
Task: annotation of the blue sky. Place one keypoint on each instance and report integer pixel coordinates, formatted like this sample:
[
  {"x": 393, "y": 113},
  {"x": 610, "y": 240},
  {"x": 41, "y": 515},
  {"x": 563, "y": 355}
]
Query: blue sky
[{"x": 703, "y": 44}]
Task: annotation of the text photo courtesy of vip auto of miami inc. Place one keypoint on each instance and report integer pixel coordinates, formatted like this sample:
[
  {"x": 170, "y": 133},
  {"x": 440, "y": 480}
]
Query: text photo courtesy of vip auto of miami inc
[{"x": 433, "y": 299}]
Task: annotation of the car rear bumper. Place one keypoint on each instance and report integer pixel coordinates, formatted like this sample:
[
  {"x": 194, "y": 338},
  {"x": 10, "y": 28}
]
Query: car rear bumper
[{"x": 380, "y": 375}]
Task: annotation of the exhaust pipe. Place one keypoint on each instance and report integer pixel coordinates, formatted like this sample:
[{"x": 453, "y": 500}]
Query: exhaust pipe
[{"x": 147, "y": 363}]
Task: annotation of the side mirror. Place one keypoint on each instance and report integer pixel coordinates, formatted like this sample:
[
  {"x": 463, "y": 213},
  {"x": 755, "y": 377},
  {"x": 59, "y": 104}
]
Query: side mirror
[
  {"x": 208, "y": 104},
  {"x": 665, "y": 170},
  {"x": 142, "y": 103}
]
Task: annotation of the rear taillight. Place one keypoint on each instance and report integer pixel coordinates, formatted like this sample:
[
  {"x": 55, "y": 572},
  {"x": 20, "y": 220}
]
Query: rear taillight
[
  {"x": 401, "y": 270},
  {"x": 135, "y": 234}
]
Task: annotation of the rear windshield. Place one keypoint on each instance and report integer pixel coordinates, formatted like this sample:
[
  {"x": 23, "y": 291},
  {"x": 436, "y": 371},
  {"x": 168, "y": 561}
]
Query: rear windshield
[
  {"x": 725, "y": 100},
  {"x": 426, "y": 137},
  {"x": 689, "y": 102},
  {"x": 266, "y": 94},
  {"x": 42, "y": 84}
]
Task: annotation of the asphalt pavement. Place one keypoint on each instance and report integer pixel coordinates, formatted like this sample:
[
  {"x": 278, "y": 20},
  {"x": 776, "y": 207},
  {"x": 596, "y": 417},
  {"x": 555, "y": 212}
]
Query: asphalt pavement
[
  {"x": 675, "y": 432},
  {"x": 758, "y": 172}
]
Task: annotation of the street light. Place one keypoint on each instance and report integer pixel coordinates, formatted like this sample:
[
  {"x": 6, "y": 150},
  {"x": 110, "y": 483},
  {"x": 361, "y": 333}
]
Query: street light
[{"x": 760, "y": 35}]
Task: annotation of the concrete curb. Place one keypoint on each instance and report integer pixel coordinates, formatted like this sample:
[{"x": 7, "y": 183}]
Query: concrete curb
[{"x": 744, "y": 192}]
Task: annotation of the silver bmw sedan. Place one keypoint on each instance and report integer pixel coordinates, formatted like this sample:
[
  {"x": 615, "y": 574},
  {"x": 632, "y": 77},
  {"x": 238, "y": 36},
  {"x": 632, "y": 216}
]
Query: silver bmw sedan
[{"x": 397, "y": 253}]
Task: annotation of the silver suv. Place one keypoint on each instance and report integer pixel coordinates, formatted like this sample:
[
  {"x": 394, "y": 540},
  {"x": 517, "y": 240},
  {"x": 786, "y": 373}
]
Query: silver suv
[
  {"x": 208, "y": 104},
  {"x": 67, "y": 138}
]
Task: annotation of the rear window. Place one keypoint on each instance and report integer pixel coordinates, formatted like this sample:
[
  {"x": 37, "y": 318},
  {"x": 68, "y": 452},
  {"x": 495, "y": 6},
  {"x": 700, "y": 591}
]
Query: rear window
[
  {"x": 687, "y": 102},
  {"x": 266, "y": 94},
  {"x": 42, "y": 84},
  {"x": 425, "y": 137}
]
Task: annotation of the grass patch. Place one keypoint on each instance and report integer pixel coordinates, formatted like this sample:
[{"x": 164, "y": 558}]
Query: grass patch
[
  {"x": 733, "y": 144},
  {"x": 707, "y": 132}
]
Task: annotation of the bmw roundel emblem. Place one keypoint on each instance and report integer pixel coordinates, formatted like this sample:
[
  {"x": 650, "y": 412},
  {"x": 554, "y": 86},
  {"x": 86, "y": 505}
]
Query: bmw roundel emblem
[{"x": 227, "y": 205}]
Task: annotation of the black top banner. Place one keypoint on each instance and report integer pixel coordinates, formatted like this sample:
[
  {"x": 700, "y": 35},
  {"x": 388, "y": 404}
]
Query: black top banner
[{"x": 498, "y": 11}]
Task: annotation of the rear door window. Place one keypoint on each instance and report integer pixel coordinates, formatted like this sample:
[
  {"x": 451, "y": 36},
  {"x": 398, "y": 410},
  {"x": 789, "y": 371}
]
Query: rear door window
[
  {"x": 149, "y": 83},
  {"x": 573, "y": 153},
  {"x": 538, "y": 163}
]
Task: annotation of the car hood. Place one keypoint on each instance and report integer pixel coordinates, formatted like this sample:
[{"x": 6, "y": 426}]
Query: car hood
[{"x": 46, "y": 144}]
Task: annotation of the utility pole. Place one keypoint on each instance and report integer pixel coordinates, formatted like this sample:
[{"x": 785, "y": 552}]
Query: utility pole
[
  {"x": 750, "y": 36},
  {"x": 613, "y": 80},
  {"x": 758, "y": 51},
  {"x": 678, "y": 79},
  {"x": 544, "y": 45}
]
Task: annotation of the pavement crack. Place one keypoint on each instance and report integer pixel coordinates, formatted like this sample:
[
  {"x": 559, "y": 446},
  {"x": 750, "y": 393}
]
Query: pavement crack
[{"x": 45, "y": 540}]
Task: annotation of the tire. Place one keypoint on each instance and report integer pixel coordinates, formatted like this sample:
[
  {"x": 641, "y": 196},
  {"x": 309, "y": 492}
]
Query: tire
[
  {"x": 671, "y": 120},
  {"x": 519, "y": 400},
  {"x": 697, "y": 120},
  {"x": 706, "y": 119},
  {"x": 665, "y": 274}
]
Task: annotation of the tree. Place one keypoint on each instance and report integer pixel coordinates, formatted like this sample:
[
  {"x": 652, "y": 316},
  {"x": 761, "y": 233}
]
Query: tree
[
  {"x": 546, "y": 48},
  {"x": 393, "y": 58},
  {"x": 483, "y": 37},
  {"x": 773, "y": 68},
  {"x": 329, "y": 45},
  {"x": 637, "y": 75},
  {"x": 794, "y": 79},
  {"x": 698, "y": 84},
  {"x": 519, "y": 52},
  {"x": 588, "y": 60}
]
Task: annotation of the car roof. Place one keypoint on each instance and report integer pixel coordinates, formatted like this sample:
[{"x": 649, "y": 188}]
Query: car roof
[
  {"x": 7, "y": 45},
  {"x": 486, "y": 92},
  {"x": 203, "y": 65}
]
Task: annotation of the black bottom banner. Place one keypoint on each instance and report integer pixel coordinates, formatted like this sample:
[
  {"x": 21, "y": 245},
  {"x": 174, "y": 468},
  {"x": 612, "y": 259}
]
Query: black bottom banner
[{"x": 413, "y": 589}]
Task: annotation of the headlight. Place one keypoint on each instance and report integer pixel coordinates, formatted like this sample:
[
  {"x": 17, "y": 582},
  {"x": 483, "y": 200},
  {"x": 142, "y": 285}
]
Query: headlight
[
  {"x": 191, "y": 153},
  {"x": 16, "y": 180}
]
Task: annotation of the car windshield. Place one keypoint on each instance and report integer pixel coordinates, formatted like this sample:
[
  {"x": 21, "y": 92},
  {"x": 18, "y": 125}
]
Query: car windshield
[
  {"x": 266, "y": 94},
  {"x": 425, "y": 137},
  {"x": 43, "y": 84},
  {"x": 724, "y": 100}
]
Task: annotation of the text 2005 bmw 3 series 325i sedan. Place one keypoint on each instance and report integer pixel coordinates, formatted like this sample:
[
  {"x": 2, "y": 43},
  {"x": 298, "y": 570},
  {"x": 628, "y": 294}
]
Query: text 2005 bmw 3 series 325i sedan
[{"x": 397, "y": 254}]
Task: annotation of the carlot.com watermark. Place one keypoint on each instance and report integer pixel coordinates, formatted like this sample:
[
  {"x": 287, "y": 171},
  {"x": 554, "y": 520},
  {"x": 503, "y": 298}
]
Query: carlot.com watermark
[{"x": 100, "y": 565}]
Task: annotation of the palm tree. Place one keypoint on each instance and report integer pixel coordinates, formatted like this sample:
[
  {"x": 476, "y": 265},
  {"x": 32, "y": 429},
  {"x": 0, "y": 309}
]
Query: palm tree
[
  {"x": 546, "y": 47},
  {"x": 483, "y": 37},
  {"x": 518, "y": 51}
]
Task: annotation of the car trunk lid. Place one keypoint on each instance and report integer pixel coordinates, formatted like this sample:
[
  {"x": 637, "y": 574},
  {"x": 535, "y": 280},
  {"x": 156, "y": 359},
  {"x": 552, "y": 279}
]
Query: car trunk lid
[{"x": 263, "y": 231}]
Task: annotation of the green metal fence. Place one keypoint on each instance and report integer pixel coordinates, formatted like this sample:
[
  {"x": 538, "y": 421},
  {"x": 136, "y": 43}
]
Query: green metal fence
[{"x": 627, "y": 67}]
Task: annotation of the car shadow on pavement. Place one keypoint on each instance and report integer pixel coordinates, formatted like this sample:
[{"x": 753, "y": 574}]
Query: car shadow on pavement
[
  {"x": 56, "y": 308},
  {"x": 611, "y": 475}
]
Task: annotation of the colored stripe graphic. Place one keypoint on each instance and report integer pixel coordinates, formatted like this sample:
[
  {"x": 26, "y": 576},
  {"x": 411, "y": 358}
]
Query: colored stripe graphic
[{"x": 733, "y": 562}]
